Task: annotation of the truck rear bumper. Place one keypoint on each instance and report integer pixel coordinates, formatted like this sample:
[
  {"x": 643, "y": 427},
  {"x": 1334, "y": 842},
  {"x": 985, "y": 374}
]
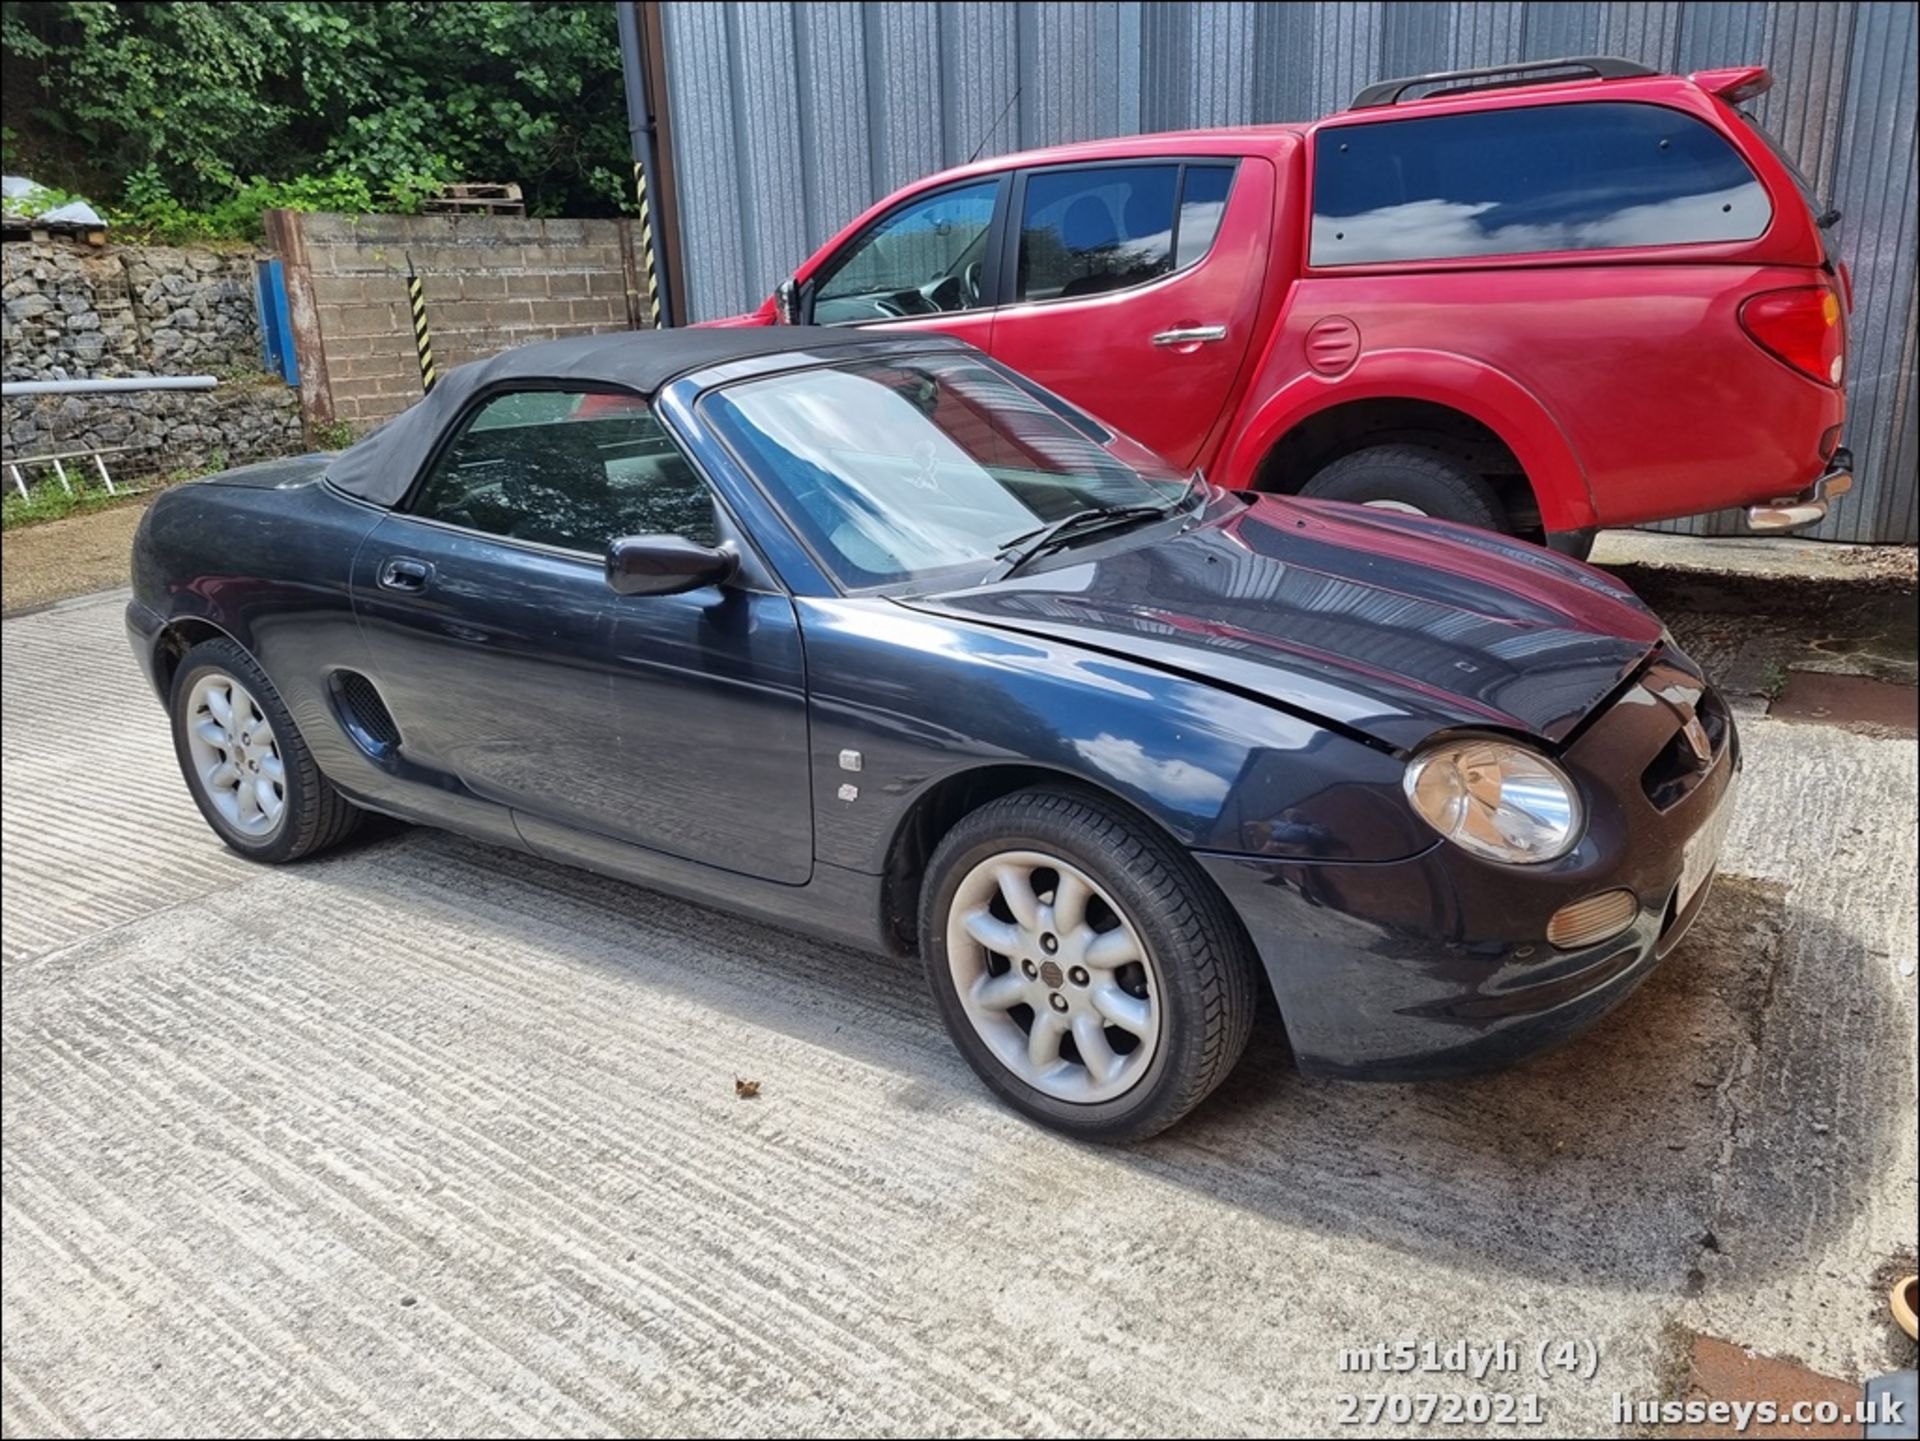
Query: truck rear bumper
[{"x": 1809, "y": 507}]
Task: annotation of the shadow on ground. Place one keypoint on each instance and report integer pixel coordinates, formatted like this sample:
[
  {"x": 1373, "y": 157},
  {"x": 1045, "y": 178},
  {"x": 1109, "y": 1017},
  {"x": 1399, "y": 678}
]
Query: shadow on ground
[
  {"x": 1605, "y": 1163},
  {"x": 1748, "y": 632}
]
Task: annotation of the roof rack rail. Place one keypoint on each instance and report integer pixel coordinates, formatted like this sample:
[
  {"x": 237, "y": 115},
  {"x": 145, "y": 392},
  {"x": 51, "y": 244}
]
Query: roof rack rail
[{"x": 1598, "y": 67}]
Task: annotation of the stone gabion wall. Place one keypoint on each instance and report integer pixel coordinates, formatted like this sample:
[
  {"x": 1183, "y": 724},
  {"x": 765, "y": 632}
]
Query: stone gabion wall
[
  {"x": 164, "y": 430},
  {"x": 79, "y": 312},
  {"x": 125, "y": 310}
]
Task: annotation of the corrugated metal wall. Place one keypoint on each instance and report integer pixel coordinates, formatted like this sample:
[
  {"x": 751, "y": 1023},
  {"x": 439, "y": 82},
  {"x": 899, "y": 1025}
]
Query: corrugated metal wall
[{"x": 791, "y": 117}]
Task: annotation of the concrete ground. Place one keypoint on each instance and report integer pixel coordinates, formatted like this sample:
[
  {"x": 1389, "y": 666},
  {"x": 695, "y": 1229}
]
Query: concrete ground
[
  {"x": 1788, "y": 557},
  {"x": 429, "y": 1137}
]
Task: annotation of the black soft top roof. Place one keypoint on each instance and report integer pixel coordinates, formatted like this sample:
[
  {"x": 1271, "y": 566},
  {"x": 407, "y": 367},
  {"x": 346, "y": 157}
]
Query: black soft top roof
[{"x": 381, "y": 467}]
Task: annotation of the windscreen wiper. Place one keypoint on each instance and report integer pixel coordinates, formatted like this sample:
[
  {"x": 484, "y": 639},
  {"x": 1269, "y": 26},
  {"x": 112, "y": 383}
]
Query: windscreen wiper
[{"x": 1030, "y": 546}]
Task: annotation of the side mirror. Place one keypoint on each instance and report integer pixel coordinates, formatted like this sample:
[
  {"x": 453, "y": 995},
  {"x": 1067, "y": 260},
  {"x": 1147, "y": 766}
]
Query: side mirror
[
  {"x": 786, "y": 302},
  {"x": 666, "y": 565}
]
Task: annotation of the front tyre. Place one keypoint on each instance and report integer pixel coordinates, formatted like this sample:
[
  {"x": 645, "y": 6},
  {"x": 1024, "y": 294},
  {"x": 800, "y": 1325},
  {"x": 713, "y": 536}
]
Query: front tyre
[
  {"x": 1088, "y": 972},
  {"x": 245, "y": 763}
]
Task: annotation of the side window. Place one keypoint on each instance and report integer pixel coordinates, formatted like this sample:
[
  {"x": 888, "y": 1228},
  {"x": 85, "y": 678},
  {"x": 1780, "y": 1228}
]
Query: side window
[
  {"x": 926, "y": 257},
  {"x": 567, "y": 469},
  {"x": 1203, "y": 201},
  {"x": 1085, "y": 232},
  {"x": 1535, "y": 178}
]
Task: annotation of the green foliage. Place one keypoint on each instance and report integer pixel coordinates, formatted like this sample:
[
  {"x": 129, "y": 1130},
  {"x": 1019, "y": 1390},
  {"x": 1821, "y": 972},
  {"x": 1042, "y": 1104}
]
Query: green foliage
[
  {"x": 152, "y": 214},
  {"x": 332, "y": 435},
  {"x": 187, "y": 119},
  {"x": 47, "y": 500}
]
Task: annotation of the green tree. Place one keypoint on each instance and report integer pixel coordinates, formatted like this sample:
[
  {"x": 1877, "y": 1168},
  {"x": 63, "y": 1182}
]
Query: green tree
[{"x": 189, "y": 109}]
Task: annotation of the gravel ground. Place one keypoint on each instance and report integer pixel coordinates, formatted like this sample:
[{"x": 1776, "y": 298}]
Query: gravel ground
[
  {"x": 59, "y": 559},
  {"x": 427, "y": 1137}
]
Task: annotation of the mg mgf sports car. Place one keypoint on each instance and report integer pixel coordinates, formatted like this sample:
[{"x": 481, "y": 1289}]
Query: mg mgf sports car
[{"x": 870, "y": 637}]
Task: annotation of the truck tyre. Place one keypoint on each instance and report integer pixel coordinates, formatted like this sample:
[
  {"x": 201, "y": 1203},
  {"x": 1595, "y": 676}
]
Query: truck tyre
[{"x": 1413, "y": 480}]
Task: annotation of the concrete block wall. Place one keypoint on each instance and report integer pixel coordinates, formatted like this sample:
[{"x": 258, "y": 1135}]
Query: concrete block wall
[{"x": 489, "y": 282}]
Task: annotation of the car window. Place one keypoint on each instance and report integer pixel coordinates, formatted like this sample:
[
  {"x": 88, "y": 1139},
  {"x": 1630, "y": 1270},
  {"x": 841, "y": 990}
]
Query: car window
[
  {"x": 1529, "y": 179},
  {"x": 1802, "y": 182},
  {"x": 1203, "y": 201},
  {"x": 924, "y": 468},
  {"x": 926, "y": 257},
  {"x": 1088, "y": 231},
  {"x": 567, "y": 469},
  {"x": 1083, "y": 232}
]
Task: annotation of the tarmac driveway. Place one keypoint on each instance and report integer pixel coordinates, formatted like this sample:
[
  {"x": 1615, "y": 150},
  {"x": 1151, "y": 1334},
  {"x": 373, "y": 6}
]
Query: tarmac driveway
[{"x": 431, "y": 1137}]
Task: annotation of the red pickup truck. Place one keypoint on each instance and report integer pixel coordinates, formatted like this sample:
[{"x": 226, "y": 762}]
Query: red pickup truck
[{"x": 1543, "y": 298}]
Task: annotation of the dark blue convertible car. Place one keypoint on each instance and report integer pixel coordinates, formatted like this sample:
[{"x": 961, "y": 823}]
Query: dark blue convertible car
[{"x": 871, "y": 637}]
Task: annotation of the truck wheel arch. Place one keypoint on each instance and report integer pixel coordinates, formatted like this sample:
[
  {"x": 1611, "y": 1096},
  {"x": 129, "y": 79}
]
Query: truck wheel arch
[{"x": 1475, "y": 393}]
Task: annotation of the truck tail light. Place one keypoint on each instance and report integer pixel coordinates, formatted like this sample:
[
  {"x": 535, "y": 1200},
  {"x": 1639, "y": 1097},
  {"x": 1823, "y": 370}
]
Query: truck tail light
[{"x": 1800, "y": 327}]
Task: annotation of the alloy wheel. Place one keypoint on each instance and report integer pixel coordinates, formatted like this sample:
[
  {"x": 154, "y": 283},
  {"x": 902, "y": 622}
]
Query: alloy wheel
[
  {"x": 1054, "y": 976},
  {"x": 236, "y": 755}
]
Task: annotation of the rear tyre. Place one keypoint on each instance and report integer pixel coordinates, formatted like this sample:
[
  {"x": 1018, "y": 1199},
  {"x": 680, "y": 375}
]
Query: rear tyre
[
  {"x": 1412, "y": 480},
  {"x": 248, "y": 768},
  {"x": 1089, "y": 973}
]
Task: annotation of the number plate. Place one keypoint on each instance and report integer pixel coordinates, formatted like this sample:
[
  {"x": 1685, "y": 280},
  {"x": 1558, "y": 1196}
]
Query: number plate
[{"x": 1702, "y": 851}]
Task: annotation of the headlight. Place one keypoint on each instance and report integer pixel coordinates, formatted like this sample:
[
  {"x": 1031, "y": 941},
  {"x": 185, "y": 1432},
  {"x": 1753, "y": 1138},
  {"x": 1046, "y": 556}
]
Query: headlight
[{"x": 1496, "y": 799}]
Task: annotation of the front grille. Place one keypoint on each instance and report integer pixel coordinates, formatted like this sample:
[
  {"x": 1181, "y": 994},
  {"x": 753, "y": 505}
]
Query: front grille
[
  {"x": 367, "y": 711},
  {"x": 1679, "y": 768}
]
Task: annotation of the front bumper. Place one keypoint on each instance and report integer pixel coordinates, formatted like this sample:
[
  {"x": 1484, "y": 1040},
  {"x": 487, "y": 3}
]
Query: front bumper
[
  {"x": 1809, "y": 507},
  {"x": 1438, "y": 964}
]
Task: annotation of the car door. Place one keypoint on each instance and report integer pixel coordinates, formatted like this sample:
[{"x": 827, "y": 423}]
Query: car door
[
  {"x": 929, "y": 263},
  {"x": 1132, "y": 288},
  {"x": 677, "y": 723}
]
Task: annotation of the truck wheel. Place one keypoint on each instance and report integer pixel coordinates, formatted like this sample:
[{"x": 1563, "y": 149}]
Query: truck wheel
[{"x": 1412, "y": 480}]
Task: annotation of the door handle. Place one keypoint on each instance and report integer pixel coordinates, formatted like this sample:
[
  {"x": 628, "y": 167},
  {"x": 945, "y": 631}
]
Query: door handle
[
  {"x": 405, "y": 573},
  {"x": 1191, "y": 335}
]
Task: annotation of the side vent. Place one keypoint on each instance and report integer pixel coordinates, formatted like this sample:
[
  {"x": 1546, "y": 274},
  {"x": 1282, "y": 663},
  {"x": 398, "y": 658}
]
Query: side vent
[{"x": 366, "y": 715}]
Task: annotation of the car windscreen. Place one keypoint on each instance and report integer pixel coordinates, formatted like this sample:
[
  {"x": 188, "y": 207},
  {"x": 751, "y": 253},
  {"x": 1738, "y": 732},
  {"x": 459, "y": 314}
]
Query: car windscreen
[{"x": 922, "y": 470}]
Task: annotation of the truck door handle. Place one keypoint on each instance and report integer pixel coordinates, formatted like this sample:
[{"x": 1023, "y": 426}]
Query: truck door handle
[
  {"x": 405, "y": 573},
  {"x": 1191, "y": 335}
]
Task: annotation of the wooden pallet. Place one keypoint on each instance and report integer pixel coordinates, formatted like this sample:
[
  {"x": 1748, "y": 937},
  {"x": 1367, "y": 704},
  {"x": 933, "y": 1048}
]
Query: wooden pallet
[{"x": 477, "y": 198}]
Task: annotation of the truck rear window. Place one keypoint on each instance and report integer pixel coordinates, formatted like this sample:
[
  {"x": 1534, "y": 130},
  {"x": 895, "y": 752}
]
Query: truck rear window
[{"x": 1593, "y": 176}]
